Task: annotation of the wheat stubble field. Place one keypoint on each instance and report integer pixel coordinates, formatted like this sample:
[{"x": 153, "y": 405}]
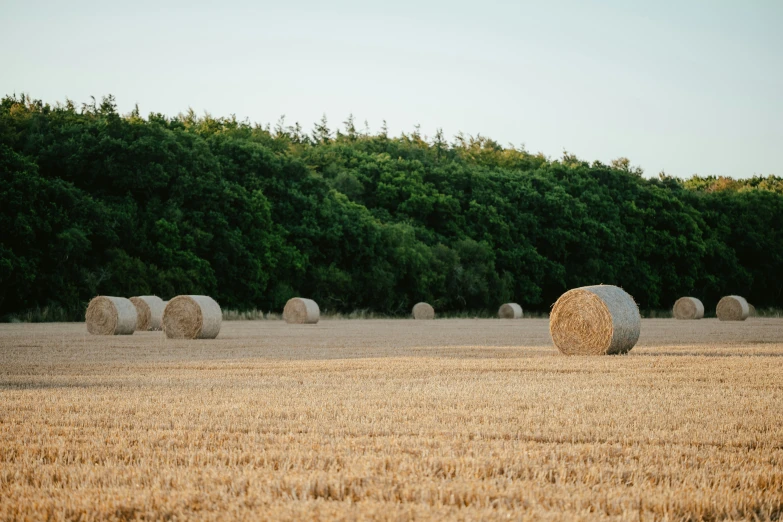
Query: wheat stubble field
[{"x": 391, "y": 419}]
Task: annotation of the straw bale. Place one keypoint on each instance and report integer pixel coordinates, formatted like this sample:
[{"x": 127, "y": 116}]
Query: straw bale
[
  {"x": 688, "y": 308},
  {"x": 299, "y": 310},
  {"x": 732, "y": 308},
  {"x": 192, "y": 317},
  {"x": 423, "y": 311},
  {"x": 595, "y": 320},
  {"x": 107, "y": 315},
  {"x": 150, "y": 310},
  {"x": 510, "y": 311}
]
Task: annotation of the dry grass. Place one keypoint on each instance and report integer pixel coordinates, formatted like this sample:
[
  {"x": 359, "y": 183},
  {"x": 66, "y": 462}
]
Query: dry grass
[{"x": 460, "y": 419}]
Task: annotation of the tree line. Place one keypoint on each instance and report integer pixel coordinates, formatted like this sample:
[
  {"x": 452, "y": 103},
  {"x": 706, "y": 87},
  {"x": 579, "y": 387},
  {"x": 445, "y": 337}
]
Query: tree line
[{"x": 95, "y": 202}]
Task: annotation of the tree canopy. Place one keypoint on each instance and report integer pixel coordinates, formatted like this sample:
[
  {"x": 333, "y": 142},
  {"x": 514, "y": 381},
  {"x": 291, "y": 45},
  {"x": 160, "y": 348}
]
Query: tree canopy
[{"x": 95, "y": 202}]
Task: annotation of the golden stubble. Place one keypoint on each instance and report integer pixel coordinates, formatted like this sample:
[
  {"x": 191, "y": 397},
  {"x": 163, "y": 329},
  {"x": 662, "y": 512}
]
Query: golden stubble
[{"x": 394, "y": 420}]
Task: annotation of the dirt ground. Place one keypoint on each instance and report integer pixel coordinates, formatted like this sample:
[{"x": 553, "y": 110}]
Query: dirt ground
[{"x": 463, "y": 419}]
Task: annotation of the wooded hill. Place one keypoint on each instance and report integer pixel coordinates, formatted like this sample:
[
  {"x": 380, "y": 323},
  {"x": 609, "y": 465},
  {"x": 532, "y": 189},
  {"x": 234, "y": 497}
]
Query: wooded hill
[{"x": 94, "y": 202}]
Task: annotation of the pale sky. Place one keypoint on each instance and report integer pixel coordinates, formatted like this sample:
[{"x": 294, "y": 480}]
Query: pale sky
[{"x": 686, "y": 86}]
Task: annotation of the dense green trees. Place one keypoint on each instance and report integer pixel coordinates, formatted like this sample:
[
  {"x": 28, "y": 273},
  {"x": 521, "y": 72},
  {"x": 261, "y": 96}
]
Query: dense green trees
[{"x": 95, "y": 202}]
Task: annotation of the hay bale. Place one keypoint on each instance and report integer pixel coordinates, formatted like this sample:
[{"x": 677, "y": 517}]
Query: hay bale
[
  {"x": 595, "y": 320},
  {"x": 732, "y": 308},
  {"x": 688, "y": 308},
  {"x": 752, "y": 311},
  {"x": 192, "y": 317},
  {"x": 150, "y": 311},
  {"x": 107, "y": 315},
  {"x": 510, "y": 311},
  {"x": 299, "y": 310},
  {"x": 423, "y": 311}
]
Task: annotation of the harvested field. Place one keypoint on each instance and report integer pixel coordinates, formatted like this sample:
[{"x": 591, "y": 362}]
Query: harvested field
[{"x": 392, "y": 419}]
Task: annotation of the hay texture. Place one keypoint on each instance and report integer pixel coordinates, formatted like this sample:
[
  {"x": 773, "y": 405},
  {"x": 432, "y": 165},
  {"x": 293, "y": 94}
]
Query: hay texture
[
  {"x": 107, "y": 315},
  {"x": 595, "y": 320},
  {"x": 510, "y": 311},
  {"x": 732, "y": 308},
  {"x": 752, "y": 311},
  {"x": 299, "y": 310},
  {"x": 150, "y": 312},
  {"x": 192, "y": 317},
  {"x": 423, "y": 311},
  {"x": 688, "y": 308}
]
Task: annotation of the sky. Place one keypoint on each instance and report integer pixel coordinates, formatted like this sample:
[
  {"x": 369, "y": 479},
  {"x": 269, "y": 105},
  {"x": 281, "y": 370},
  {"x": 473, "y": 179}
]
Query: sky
[{"x": 686, "y": 87}]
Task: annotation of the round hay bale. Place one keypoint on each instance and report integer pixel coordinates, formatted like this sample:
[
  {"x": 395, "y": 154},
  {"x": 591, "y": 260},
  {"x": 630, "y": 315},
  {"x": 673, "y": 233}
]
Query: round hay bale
[
  {"x": 688, "y": 308},
  {"x": 752, "y": 311},
  {"x": 150, "y": 310},
  {"x": 423, "y": 311},
  {"x": 192, "y": 317},
  {"x": 107, "y": 315},
  {"x": 510, "y": 311},
  {"x": 299, "y": 310},
  {"x": 595, "y": 320},
  {"x": 732, "y": 308}
]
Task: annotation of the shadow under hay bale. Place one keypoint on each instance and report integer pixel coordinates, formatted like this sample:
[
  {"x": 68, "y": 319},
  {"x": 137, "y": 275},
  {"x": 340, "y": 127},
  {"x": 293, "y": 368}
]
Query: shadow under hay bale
[
  {"x": 510, "y": 311},
  {"x": 732, "y": 308},
  {"x": 299, "y": 310},
  {"x": 595, "y": 320},
  {"x": 688, "y": 308},
  {"x": 150, "y": 312},
  {"x": 423, "y": 311},
  {"x": 107, "y": 315},
  {"x": 192, "y": 317}
]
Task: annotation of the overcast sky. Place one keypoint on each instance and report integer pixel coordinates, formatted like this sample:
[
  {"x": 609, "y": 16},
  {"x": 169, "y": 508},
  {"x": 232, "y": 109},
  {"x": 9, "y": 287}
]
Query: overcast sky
[{"x": 686, "y": 86}]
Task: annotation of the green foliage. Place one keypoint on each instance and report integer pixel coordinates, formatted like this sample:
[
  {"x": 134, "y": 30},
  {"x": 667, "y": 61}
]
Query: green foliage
[{"x": 94, "y": 202}]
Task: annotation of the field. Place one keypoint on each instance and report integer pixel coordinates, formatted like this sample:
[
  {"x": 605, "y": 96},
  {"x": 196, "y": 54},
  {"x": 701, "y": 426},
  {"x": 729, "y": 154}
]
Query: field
[{"x": 391, "y": 419}]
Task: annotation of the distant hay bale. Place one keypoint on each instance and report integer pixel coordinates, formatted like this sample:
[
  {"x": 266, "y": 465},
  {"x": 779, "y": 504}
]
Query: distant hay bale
[
  {"x": 299, "y": 310},
  {"x": 688, "y": 308},
  {"x": 150, "y": 311},
  {"x": 510, "y": 311},
  {"x": 107, "y": 315},
  {"x": 595, "y": 320},
  {"x": 752, "y": 311},
  {"x": 192, "y": 317},
  {"x": 423, "y": 311},
  {"x": 732, "y": 308}
]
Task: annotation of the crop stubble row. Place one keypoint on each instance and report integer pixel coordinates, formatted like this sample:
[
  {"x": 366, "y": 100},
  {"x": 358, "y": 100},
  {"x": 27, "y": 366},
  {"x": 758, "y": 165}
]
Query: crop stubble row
[{"x": 463, "y": 418}]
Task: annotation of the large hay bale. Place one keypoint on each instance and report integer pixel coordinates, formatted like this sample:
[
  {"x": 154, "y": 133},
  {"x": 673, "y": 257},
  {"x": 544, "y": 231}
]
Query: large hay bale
[
  {"x": 299, "y": 310},
  {"x": 150, "y": 311},
  {"x": 688, "y": 308},
  {"x": 732, "y": 308},
  {"x": 423, "y": 311},
  {"x": 192, "y": 317},
  {"x": 752, "y": 311},
  {"x": 107, "y": 315},
  {"x": 510, "y": 311},
  {"x": 595, "y": 320}
]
